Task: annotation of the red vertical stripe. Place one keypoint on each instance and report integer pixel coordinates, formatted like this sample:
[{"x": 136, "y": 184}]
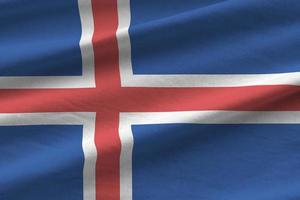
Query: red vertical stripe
[
  {"x": 107, "y": 121},
  {"x": 107, "y": 167}
]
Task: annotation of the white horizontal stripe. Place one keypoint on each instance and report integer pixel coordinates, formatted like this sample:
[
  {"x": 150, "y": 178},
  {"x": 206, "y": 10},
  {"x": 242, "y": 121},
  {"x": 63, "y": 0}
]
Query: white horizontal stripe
[
  {"x": 213, "y": 117},
  {"x": 88, "y": 145},
  {"x": 57, "y": 118},
  {"x": 192, "y": 117},
  {"x": 228, "y": 80},
  {"x": 45, "y": 82}
]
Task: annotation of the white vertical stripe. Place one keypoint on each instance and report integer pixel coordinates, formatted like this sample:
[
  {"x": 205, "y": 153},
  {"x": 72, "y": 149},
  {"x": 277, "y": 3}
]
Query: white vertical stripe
[
  {"x": 125, "y": 159},
  {"x": 90, "y": 157},
  {"x": 86, "y": 45},
  {"x": 124, "y": 41}
]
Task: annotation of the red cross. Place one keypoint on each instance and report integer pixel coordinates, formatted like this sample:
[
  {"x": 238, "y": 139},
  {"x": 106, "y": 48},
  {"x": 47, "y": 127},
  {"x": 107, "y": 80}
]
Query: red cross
[{"x": 108, "y": 99}]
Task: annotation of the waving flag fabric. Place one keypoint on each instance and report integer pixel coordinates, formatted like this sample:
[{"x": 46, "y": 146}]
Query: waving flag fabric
[{"x": 149, "y": 100}]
